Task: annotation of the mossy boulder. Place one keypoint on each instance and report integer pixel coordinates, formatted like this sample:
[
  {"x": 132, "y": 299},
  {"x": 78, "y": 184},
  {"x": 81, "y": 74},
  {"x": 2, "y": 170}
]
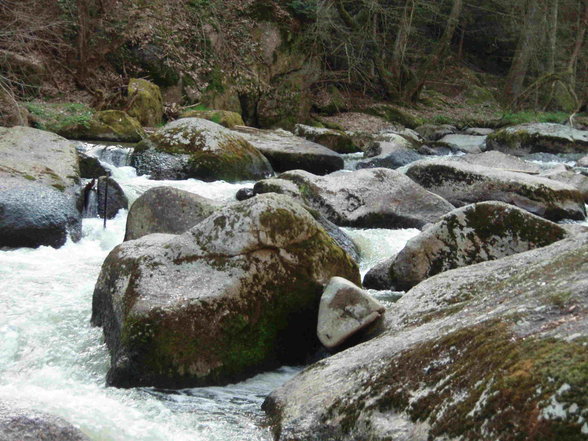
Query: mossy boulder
[
  {"x": 236, "y": 294},
  {"x": 462, "y": 183},
  {"x": 166, "y": 210},
  {"x": 394, "y": 114},
  {"x": 145, "y": 102},
  {"x": 201, "y": 149},
  {"x": 225, "y": 118},
  {"x": 469, "y": 235},
  {"x": 539, "y": 137},
  {"x": 335, "y": 140},
  {"x": 369, "y": 198},
  {"x": 39, "y": 189},
  {"x": 493, "y": 351}
]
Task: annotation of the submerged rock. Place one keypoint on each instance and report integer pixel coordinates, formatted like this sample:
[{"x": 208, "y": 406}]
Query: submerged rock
[
  {"x": 492, "y": 351},
  {"x": 335, "y": 140},
  {"x": 288, "y": 152},
  {"x": 462, "y": 183},
  {"x": 370, "y": 198},
  {"x": 198, "y": 148},
  {"x": 18, "y": 424},
  {"x": 345, "y": 310},
  {"x": 469, "y": 235},
  {"x": 40, "y": 189},
  {"x": 235, "y": 294},
  {"x": 538, "y": 137},
  {"x": 166, "y": 210}
]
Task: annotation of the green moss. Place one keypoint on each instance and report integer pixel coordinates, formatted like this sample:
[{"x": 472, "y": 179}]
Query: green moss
[
  {"x": 59, "y": 187},
  {"x": 54, "y": 117},
  {"x": 30, "y": 178}
]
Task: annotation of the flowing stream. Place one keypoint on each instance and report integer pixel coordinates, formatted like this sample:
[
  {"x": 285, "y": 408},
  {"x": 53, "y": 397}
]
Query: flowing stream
[{"x": 51, "y": 359}]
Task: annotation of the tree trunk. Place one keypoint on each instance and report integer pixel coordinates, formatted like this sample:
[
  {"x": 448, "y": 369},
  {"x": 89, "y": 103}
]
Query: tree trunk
[
  {"x": 552, "y": 35},
  {"x": 583, "y": 24}
]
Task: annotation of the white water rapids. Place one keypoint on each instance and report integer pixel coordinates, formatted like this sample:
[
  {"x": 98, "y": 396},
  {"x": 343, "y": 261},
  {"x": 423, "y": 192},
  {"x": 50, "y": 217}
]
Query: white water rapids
[{"x": 52, "y": 360}]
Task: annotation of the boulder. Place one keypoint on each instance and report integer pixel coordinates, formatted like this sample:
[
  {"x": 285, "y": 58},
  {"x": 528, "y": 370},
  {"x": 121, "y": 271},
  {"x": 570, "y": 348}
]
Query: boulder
[
  {"x": 235, "y": 294},
  {"x": 201, "y": 149},
  {"x": 462, "y": 183},
  {"x": 583, "y": 161},
  {"x": 433, "y": 132},
  {"x": 166, "y": 210},
  {"x": 392, "y": 160},
  {"x": 392, "y": 143},
  {"x": 111, "y": 198},
  {"x": 369, "y": 198},
  {"x": 335, "y": 140},
  {"x": 378, "y": 277},
  {"x": 469, "y": 235},
  {"x": 20, "y": 424},
  {"x": 345, "y": 310},
  {"x": 286, "y": 151},
  {"x": 464, "y": 143},
  {"x": 40, "y": 189},
  {"x": 90, "y": 167},
  {"x": 145, "y": 102},
  {"x": 478, "y": 131},
  {"x": 244, "y": 193},
  {"x": 225, "y": 118},
  {"x": 499, "y": 160},
  {"x": 539, "y": 137},
  {"x": 566, "y": 176},
  {"x": 493, "y": 351}
]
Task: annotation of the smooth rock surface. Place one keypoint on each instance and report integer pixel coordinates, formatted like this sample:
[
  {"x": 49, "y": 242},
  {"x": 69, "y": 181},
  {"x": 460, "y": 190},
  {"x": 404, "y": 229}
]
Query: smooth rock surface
[
  {"x": 202, "y": 149},
  {"x": 286, "y": 151},
  {"x": 235, "y": 294},
  {"x": 369, "y": 198},
  {"x": 166, "y": 210},
  {"x": 469, "y": 235},
  {"x": 344, "y": 310},
  {"x": 464, "y": 143},
  {"x": 335, "y": 140},
  {"x": 492, "y": 351},
  {"x": 39, "y": 189},
  {"x": 461, "y": 184}
]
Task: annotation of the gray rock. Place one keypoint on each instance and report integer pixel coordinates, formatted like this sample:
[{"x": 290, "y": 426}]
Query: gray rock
[
  {"x": 244, "y": 193},
  {"x": 569, "y": 177},
  {"x": 464, "y": 143},
  {"x": 335, "y": 140},
  {"x": 478, "y": 131},
  {"x": 166, "y": 210},
  {"x": 90, "y": 167},
  {"x": 391, "y": 143},
  {"x": 499, "y": 160},
  {"x": 369, "y": 198},
  {"x": 491, "y": 351},
  {"x": 288, "y": 152},
  {"x": 378, "y": 277},
  {"x": 19, "y": 424},
  {"x": 40, "y": 193},
  {"x": 469, "y": 235},
  {"x": 235, "y": 294},
  {"x": 432, "y": 132},
  {"x": 111, "y": 198},
  {"x": 202, "y": 149},
  {"x": 583, "y": 161},
  {"x": 538, "y": 137},
  {"x": 344, "y": 310},
  {"x": 391, "y": 160},
  {"x": 461, "y": 184}
]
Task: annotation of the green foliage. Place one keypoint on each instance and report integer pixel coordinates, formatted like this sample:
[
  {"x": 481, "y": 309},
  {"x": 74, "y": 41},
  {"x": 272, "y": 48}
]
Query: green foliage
[
  {"x": 529, "y": 116},
  {"x": 306, "y": 9},
  {"x": 55, "y": 116},
  {"x": 199, "y": 4}
]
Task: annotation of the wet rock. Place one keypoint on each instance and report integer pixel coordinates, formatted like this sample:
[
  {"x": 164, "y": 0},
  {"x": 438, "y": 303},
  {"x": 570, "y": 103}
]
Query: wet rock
[
  {"x": 39, "y": 189},
  {"x": 145, "y": 102},
  {"x": 335, "y": 140},
  {"x": 432, "y": 132},
  {"x": 244, "y": 193},
  {"x": 166, "y": 210},
  {"x": 235, "y": 294},
  {"x": 111, "y": 198},
  {"x": 369, "y": 198},
  {"x": 469, "y": 235},
  {"x": 453, "y": 360},
  {"x": 464, "y": 143},
  {"x": 379, "y": 277},
  {"x": 344, "y": 310},
  {"x": 462, "y": 183},
  {"x": 201, "y": 149},
  {"x": 225, "y": 118},
  {"x": 391, "y": 160},
  {"x": 538, "y": 137},
  {"x": 286, "y": 151},
  {"x": 19, "y": 424},
  {"x": 90, "y": 167}
]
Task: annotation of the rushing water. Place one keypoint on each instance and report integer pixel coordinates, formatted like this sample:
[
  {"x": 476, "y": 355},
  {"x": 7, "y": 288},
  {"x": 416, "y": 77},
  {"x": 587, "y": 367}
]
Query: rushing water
[{"x": 51, "y": 358}]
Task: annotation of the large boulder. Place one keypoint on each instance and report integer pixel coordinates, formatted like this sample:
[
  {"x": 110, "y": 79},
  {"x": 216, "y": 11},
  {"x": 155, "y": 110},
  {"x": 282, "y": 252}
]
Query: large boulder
[
  {"x": 235, "y": 294},
  {"x": 469, "y": 235},
  {"x": 499, "y": 160},
  {"x": 370, "y": 198},
  {"x": 434, "y": 132},
  {"x": 538, "y": 137},
  {"x": 202, "y": 149},
  {"x": 462, "y": 183},
  {"x": 464, "y": 143},
  {"x": 335, "y": 140},
  {"x": 40, "y": 189},
  {"x": 225, "y": 118},
  {"x": 20, "y": 424},
  {"x": 166, "y": 210},
  {"x": 288, "y": 152},
  {"x": 563, "y": 174},
  {"x": 145, "y": 102},
  {"x": 492, "y": 351}
]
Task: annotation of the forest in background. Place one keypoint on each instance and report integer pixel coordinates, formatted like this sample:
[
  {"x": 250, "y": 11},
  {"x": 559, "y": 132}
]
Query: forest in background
[{"x": 276, "y": 61}]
